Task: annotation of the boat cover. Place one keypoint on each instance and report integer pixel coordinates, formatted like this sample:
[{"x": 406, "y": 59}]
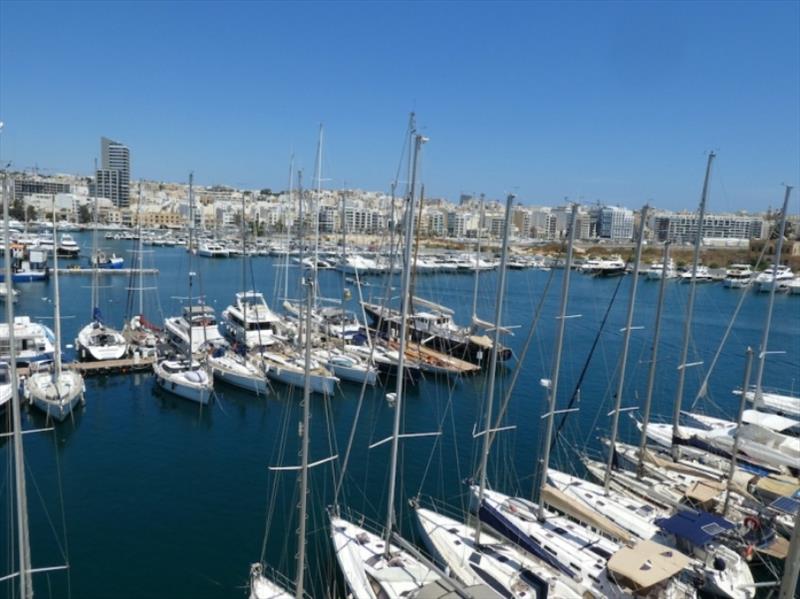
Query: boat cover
[
  {"x": 697, "y": 527},
  {"x": 647, "y": 564}
]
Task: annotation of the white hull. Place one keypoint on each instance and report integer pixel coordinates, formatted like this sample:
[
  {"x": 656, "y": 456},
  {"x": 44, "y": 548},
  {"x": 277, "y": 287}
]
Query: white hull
[
  {"x": 99, "y": 343},
  {"x": 56, "y": 400},
  {"x": 787, "y": 405},
  {"x": 453, "y": 545},
  {"x": 282, "y": 370},
  {"x": 236, "y": 374},
  {"x": 360, "y": 554},
  {"x": 178, "y": 383}
]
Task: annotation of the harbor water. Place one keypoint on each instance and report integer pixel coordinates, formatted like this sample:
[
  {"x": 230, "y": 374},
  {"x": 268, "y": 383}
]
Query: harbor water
[{"x": 147, "y": 495}]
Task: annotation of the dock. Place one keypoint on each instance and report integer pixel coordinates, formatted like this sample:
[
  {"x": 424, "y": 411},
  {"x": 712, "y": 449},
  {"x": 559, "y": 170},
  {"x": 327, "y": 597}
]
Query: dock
[
  {"x": 121, "y": 366},
  {"x": 108, "y": 271}
]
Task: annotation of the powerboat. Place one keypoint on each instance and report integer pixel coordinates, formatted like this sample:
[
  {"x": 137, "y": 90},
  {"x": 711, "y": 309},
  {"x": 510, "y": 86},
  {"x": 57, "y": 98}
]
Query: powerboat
[
  {"x": 613, "y": 266},
  {"x": 5, "y": 386},
  {"x": 782, "y": 275},
  {"x": 68, "y": 247},
  {"x": 249, "y": 322},
  {"x": 203, "y": 325},
  {"x": 110, "y": 262},
  {"x": 212, "y": 249},
  {"x": 703, "y": 275},
  {"x": 35, "y": 342},
  {"x": 656, "y": 270},
  {"x": 738, "y": 276}
]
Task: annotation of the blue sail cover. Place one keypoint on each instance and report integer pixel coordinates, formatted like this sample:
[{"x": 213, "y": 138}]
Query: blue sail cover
[
  {"x": 496, "y": 520},
  {"x": 97, "y": 315},
  {"x": 697, "y": 527}
]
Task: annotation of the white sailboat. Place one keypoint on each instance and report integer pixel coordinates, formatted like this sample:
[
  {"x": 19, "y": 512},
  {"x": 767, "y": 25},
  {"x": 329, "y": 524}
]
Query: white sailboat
[
  {"x": 184, "y": 376},
  {"x": 372, "y": 565},
  {"x": 55, "y": 391},
  {"x": 97, "y": 341}
]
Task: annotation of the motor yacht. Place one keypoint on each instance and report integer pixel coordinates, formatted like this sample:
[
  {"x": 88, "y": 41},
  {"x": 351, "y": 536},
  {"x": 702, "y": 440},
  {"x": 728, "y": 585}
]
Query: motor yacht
[
  {"x": 782, "y": 277},
  {"x": 203, "y": 325},
  {"x": 68, "y": 247},
  {"x": 212, "y": 249},
  {"x": 738, "y": 276},
  {"x": 703, "y": 275},
  {"x": 250, "y": 322},
  {"x": 35, "y": 342}
]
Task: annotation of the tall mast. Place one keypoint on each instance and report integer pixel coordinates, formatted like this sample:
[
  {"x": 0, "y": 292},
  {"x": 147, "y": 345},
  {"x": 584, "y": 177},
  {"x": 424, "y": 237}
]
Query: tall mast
[
  {"x": 244, "y": 270},
  {"x": 687, "y": 324},
  {"x": 191, "y": 274},
  {"x": 735, "y": 450},
  {"x": 302, "y": 248},
  {"x": 310, "y": 280},
  {"x": 762, "y": 354},
  {"x": 288, "y": 233},
  {"x": 343, "y": 219},
  {"x": 56, "y": 300},
  {"x": 623, "y": 362},
  {"x": 141, "y": 255},
  {"x": 317, "y": 199},
  {"x": 409, "y": 227},
  {"x": 498, "y": 315},
  {"x": 651, "y": 375},
  {"x": 23, "y": 536},
  {"x": 553, "y": 384},
  {"x": 95, "y": 281},
  {"x": 477, "y": 262}
]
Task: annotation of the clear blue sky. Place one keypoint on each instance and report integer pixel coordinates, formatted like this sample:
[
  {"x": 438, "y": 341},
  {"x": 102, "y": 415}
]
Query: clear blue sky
[{"x": 617, "y": 102}]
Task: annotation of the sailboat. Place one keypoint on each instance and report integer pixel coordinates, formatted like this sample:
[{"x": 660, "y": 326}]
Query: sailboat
[
  {"x": 183, "y": 375},
  {"x": 234, "y": 367},
  {"x": 55, "y": 391},
  {"x": 592, "y": 562},
  {"x": 263, "y": 586},
  {"x": 97, "y": 341},
  {"x": 469, "y": 553},
  {"x": 372, "y": 565}
]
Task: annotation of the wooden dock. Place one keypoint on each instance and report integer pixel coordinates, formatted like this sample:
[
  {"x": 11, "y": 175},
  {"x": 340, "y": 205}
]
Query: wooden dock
[
  {"x": 108, "y": 271},
  {"x": 122, "y": 366}
]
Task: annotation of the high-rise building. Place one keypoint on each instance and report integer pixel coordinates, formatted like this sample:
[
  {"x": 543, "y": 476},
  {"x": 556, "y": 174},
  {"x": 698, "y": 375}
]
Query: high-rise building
[
  {"x": 615, "y": 223},
  {"x": 114, "y": 175}
]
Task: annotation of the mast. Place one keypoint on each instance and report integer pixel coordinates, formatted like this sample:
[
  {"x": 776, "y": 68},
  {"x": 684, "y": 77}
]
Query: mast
[
  {"x": 23, "y": 535},
  {"x": 191, "y": 274},
  {"x": 56, "y": 303},
  {"x": 498, "y": 315},
  {"x": 762, "y": 354},
  {"x": 317, "y": 199},
  {"x": 95, "y": 257},
  {"x": 141, "y": 255},
  {"x": 288, "y": 232},
  {"x": 623, "y": 362},
  {"x": 310, "y": 280},
  {"x": 735, "y": 450},
  {"x": 244, "y": 271},
  {"x": 687, "y": 325},
  {"x": 553, "y": 383},
  {"x": 477, "y": 261},
  {"x": 409, "y": 227},
  {"x": 651, "y": 375}
]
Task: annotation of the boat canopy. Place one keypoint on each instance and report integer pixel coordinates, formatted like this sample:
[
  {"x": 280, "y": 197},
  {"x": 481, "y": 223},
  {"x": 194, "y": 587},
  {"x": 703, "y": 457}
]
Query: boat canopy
[
  {"x": 696, "y": 527},
  {"x": 773, "y": 422},
  {"x": 647, "y": 564}
]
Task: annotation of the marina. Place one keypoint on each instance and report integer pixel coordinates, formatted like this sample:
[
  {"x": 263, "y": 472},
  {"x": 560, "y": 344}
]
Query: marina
[{"x": 126, "y": 388}]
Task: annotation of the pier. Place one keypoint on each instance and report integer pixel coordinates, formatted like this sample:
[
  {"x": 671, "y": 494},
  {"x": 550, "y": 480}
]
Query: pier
[
  {"x": 107, "y": 271},
  {"x": 121, "y": 366}
]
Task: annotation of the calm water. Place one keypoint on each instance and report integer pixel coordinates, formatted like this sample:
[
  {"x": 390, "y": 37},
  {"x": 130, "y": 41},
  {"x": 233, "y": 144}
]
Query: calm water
[{"x": 147, "y": 495}]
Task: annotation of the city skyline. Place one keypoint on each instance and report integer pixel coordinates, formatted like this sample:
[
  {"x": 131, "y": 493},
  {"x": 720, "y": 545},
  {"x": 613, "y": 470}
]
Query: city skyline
[{"x": 557, "y": 102}]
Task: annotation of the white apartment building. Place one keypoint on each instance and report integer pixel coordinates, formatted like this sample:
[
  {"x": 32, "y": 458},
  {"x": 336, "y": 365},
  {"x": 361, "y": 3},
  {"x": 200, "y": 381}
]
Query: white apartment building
[{"x": 682, "y": 227}]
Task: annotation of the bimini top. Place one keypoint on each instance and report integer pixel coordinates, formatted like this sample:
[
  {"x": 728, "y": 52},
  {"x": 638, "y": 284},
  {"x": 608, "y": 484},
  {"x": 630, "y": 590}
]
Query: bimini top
[
  {"x": 647, "y": 564},
  {"x": 696, "y": 527}
]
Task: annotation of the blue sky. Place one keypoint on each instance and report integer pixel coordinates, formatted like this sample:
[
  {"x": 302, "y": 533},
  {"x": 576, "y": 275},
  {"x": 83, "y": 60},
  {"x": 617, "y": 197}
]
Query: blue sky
[{"x": 617, "y": 102}]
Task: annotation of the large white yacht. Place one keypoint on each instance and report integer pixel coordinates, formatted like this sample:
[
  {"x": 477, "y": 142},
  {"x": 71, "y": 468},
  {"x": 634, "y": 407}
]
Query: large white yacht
[
  {"x": 783, "y": 277},
  {"x": 203, "y": 324},
  {"x": 35, "y": 342},
  {"x": 212, "y": 249},
  {"x": 250, "y": 322},
  {"x": 68, "y": 247},
  {"x": 738, "y": 276},
  {"x": 656, "y": 269}
]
